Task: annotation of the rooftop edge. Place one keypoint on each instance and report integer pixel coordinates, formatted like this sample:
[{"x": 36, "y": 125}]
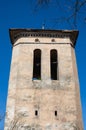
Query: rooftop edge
[{"x": 15, "y": 31}]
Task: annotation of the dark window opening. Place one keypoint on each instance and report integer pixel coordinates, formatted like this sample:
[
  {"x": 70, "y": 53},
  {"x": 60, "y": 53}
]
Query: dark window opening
[
  {"x": 55, "y": 113},
  {"x": 37, "y": 40},
  {"x": 53, "y": 40},
  {"x": 37, "y": 65},
  {"x": 36, "y": 113},
  {"x": 54, "y": 64}
]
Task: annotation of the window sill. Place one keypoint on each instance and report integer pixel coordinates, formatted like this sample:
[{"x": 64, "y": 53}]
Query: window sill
[{"x": 36, "y": 80}]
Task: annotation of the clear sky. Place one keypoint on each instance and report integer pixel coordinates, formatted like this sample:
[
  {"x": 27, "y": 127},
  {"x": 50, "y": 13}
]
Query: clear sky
[{"x": 21, "y": 14}]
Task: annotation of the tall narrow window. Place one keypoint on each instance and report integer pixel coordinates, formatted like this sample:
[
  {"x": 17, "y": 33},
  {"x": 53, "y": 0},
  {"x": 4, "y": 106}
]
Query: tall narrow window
[
  {"x": 55, "y": 113},
  {"x": 54, "y": 64},
  {"x": 37, "y": 64},
  {"x": 36, "y": 113}
]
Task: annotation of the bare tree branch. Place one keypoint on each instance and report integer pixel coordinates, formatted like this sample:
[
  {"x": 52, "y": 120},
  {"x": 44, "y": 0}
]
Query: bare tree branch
[
  {"x": 43, "y": 1},
  {"x": 75, "y": 7}
]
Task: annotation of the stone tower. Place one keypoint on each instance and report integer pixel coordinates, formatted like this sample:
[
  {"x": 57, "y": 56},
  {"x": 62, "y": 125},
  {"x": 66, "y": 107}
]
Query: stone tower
[{"x": 43, "y": 89}]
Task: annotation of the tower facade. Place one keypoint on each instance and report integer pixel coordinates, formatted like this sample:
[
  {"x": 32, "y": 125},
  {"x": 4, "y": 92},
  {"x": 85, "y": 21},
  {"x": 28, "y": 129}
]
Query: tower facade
[{"x": 43, "y": 91}]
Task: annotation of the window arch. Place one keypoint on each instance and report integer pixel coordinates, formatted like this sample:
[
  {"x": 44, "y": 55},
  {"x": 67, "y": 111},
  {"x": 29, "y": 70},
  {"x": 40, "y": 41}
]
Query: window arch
[
  {"x": 54, "y": 64},
  {"x": 37, "y": 64}
]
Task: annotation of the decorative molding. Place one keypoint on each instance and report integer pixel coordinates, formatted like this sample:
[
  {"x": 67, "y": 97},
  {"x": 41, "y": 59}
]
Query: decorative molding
[
  {"x": 39, "y": 43},
  {"x": 37, "y": 34},
  {"x": 16, "y": 34}
]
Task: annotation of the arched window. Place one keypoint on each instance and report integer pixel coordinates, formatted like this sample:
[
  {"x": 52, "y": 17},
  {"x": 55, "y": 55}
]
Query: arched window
[
  {"x": 37, "y": 65},
  {"x": 54, "y": 64}
]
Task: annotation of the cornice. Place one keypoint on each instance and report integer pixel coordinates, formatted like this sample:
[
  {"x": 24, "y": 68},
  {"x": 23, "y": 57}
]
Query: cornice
[{"x": 15, "y": 34}]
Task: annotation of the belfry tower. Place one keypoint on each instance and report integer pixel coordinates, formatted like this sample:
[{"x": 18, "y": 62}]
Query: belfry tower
[{"x": 43, "y": 91}]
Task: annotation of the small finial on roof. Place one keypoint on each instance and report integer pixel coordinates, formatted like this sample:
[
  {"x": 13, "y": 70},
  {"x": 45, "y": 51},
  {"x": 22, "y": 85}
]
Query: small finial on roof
[{"x": 43, "y": 26}]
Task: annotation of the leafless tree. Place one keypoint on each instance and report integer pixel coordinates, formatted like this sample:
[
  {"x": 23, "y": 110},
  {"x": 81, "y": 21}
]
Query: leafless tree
[
  {"x": 16, "y": 123},
  {"x": 73, "y": 10}
]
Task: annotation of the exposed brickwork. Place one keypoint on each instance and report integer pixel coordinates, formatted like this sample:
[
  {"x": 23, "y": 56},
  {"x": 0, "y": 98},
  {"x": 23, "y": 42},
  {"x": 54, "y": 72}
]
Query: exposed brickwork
[{"x": 26, "y": 95}]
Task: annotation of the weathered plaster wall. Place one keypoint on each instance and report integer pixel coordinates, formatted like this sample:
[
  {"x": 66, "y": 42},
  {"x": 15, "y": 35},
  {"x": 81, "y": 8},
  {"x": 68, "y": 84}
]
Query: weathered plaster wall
[{"x": 26, "y": 95}]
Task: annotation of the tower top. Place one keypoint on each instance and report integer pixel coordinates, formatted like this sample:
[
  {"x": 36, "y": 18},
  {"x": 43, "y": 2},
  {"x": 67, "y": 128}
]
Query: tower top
[{"x": 18, "y": 33}]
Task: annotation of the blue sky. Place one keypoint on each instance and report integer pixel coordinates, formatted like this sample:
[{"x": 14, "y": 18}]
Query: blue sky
[{"x": 21, "y": 14}]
